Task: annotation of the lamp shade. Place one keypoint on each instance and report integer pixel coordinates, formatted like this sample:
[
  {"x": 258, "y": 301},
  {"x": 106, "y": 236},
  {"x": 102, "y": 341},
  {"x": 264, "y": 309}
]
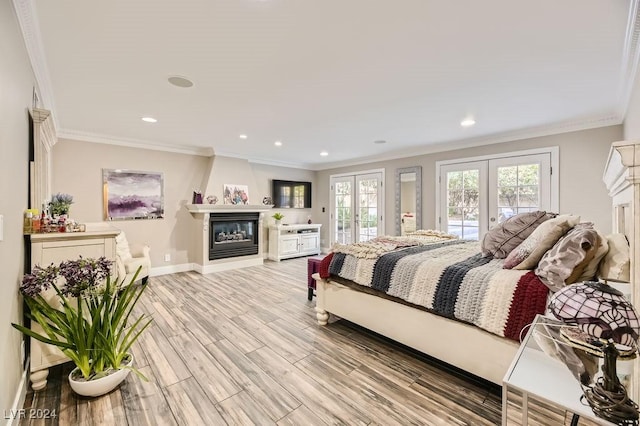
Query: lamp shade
[{"x": 599, "y": 310}]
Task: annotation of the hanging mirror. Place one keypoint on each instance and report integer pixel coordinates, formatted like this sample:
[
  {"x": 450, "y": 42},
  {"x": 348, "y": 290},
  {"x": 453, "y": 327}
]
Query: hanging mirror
[{"x": 408, "y": 200}]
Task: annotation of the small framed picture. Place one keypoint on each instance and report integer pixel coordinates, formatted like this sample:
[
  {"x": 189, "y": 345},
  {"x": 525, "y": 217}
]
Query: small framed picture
[{"x": 236, "y": 194}]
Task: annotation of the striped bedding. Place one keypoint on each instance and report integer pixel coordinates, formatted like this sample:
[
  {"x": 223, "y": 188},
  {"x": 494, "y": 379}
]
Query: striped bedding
[{"x": 451, "y": 279}]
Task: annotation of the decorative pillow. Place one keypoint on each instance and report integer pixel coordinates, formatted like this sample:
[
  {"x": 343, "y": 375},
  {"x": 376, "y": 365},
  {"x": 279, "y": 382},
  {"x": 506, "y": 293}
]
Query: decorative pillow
[
  {"x": 616, "y": 263},
  {"x": 122, "y": 246},
  {"x": 506, "y": 236},
  {"x": 590, "y": 273},
  {"x": 565, "y": 262},
  {"x": 530, "y": 251}
]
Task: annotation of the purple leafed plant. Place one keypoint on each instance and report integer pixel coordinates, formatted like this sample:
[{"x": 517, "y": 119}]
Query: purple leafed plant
[{"x": 80, "y": 275}]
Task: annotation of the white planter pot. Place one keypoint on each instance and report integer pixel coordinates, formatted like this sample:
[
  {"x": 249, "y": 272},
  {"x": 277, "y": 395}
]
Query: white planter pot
[{"x": 99, "y": 386}]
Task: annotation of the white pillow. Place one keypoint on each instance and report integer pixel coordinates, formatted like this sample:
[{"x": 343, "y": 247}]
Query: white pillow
[
  {"x": 616, "y": 263},
  {"x": 122, "y": 247}
]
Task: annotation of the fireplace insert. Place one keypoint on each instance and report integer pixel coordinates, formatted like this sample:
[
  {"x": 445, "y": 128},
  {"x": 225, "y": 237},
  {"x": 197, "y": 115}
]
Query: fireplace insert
[{"x": 233, "y": 235}]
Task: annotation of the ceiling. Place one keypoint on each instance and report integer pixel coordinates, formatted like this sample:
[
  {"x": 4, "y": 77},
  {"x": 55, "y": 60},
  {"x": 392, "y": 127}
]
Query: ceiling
[{"x": 329, "y": 75}]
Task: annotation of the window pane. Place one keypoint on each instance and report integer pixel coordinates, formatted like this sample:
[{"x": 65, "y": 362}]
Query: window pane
[
  {"x": 529, "y": 174},
  {"x": 528, "y": 196},
  {"x": 454, "y": 180},
  {"x": 507, "y": 196},
  {"x": 508, "y": 176},
  {"x": 471, "y": 197}
]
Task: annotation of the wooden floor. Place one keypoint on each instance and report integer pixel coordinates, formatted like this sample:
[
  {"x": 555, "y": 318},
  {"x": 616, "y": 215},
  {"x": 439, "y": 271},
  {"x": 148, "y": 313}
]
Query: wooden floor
[{"x": 243, "y": 347}]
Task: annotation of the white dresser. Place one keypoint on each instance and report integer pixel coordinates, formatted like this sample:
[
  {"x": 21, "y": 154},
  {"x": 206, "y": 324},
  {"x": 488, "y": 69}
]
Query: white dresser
[
  {"x": 99, "y": 240},
  {"x": 287, "y": 241}
]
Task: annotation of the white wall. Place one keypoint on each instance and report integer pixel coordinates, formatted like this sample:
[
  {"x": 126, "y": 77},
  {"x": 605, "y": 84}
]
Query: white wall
[{"x": 16, "y": 85}]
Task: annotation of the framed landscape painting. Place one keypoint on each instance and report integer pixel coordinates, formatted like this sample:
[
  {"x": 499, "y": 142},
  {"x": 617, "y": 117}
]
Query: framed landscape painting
[{"x": 131, "y": 194}]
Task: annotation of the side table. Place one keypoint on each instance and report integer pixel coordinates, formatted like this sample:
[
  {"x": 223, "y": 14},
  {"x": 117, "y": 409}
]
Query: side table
[
  {"x": 536, "y": 374},
  {"x": 313, "y": 266}
]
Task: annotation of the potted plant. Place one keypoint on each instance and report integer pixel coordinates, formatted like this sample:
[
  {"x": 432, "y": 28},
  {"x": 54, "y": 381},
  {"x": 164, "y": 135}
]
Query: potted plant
[
  {"x": 278, "y": 217},
  {"x": 60, "y": 204},
  {"x": 92, "y": 325}
]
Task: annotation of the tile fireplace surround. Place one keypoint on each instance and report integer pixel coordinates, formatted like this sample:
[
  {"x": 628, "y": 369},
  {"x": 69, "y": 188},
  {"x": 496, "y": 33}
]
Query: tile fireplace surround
[{"x": 201, "y": 214}]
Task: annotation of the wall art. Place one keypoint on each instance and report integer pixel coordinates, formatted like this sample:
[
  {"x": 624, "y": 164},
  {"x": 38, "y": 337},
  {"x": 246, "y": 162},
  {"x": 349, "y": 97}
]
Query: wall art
[
  {"x": 236, "y": 194},
  {"x": 132, "y": 194}
]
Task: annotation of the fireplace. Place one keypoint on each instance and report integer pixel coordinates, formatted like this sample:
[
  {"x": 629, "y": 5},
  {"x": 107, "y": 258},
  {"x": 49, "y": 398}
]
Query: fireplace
[{"x": 233, "y": 234}]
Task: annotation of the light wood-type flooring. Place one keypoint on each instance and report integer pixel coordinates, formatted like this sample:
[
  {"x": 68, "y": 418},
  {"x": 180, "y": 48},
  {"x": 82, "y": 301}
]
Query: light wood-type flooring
[{"x": 243, "y": 347}]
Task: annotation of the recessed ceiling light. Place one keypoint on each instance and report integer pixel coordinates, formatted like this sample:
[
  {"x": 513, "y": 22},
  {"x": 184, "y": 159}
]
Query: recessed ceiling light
[
  {"x": 242, "y": 136},
  {"x": 468, "y": 122},
  {"x": 324, "y": 153},
  {"x": 179, "y": 81},
  {"x": 149, "y": 119},
  {"x": 277, "y": 143},
  {"x": 379, "y": 142}
]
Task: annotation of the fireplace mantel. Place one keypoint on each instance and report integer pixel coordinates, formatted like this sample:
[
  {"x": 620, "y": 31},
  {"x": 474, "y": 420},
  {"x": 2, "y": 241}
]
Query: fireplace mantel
[
  {"x": 201, "y": 214},
  {"x": 227, "y": 208}
]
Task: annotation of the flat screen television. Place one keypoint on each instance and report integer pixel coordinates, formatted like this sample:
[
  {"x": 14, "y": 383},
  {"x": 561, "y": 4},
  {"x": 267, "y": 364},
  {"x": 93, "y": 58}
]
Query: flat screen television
[{"x": 289, "y": 194}]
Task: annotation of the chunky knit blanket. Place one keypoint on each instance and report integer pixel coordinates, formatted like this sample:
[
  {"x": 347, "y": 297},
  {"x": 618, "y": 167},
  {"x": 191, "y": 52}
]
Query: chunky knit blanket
[{"x": 451, "y": 279}]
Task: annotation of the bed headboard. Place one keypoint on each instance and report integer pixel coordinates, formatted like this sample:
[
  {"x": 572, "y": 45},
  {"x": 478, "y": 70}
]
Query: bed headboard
[{"x": 622, "y": 178}]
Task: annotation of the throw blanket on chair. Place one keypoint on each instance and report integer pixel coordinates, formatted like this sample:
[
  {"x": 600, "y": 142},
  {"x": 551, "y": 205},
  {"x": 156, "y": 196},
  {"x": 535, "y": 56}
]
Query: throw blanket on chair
[{"x": 451, "y": 279}]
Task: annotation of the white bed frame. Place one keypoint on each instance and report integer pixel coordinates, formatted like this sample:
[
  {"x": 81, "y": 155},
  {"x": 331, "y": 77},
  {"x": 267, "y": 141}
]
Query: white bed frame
[{"x": 461, "y": 345}]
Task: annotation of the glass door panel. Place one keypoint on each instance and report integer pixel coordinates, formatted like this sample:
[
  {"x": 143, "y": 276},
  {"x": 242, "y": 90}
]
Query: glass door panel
[
  {"x": 367, "y": 223},
  {"x": 518, "y": 185},
  {"x": 343, "y": 215},
  {"x": 461, "y": 185}
]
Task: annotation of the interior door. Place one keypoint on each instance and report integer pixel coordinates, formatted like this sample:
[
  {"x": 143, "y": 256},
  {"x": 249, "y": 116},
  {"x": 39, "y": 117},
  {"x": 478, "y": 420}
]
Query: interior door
[{"x": 357, "y": 205}]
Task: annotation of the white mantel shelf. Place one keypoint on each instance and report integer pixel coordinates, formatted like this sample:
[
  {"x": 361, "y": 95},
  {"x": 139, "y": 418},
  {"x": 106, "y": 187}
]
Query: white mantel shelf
[{"x": 227, "y": 208}]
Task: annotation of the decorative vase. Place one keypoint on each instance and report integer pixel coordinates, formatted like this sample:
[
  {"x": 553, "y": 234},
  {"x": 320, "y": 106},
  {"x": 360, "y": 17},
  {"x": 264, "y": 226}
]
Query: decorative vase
[
  {"x": 101, "y": 386},
  {"x": 278, "y": 222}
]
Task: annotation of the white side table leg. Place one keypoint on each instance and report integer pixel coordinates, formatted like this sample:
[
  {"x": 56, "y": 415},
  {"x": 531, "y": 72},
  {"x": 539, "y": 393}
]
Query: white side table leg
[{"x": 505, "y": 403}]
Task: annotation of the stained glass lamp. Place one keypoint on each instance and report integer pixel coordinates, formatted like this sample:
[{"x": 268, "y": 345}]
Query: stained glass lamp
[{"x": 603, "y": 314}]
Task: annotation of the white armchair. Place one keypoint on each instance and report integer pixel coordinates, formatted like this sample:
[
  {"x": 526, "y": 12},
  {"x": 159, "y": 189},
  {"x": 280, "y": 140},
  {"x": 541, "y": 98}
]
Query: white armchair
[{"x": 129, "y": 258}]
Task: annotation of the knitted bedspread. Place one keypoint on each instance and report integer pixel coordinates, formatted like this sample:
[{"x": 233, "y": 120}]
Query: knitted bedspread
[{"x": 451, "y": 279}]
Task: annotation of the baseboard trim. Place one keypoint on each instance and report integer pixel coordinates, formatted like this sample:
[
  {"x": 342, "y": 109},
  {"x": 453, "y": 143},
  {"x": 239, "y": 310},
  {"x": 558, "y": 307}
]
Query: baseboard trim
[
  {"x": 18, "y": 401},
  {"x": 219, "y": 267},
  {"x": 206, "y": 269},
  {"x": 171, "y": 269}
]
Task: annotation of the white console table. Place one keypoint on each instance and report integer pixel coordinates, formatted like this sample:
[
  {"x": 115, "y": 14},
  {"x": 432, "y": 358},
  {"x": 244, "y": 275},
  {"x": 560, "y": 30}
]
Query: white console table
[
  {"x": 99, "y": 240},
  {"x": 287, "y": 241}
]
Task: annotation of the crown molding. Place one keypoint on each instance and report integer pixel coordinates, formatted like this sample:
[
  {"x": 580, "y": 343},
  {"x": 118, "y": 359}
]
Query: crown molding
[
  {"x": 558, "y": 128},
  {"x": 30, "y": 27},
  {"x": 133, "y": 143},
  {"x": 630, "y": 58}
]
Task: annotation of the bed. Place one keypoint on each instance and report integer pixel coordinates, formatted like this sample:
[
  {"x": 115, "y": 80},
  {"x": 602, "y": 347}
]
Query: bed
[{"x": 465, "y": 346}]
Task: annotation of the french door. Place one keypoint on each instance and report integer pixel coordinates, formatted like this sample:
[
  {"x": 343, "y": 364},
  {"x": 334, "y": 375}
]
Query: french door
[
  {"x": 474, "y": 196},
  {"x": 357, "y": 203}
]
